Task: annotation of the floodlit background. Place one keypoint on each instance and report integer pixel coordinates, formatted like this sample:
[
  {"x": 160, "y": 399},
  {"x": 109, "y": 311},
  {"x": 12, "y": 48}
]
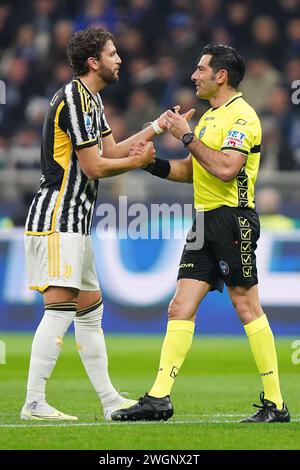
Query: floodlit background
[{"x": 159, "y": 43}]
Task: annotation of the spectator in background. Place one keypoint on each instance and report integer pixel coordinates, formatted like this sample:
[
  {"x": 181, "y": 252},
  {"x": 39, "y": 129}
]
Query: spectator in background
[
  {"x": 220, "y": 35},
  {"x": 141, "y": 72},
  {"x": 295, "y": 140},
  {"x": 35, "y": 112},
  {"x": 292, "y": 70},
  {"x": 17, "y": 83},
  {"x": 293, "y": 37},
  {"x": 62, "y": 32},
  {"x": 25, "y": 45},
  {"x": 141, "y": 109},
  {"x": 267, "y": 40},
  {"x": 148, "y": 17},
  {"x": 287, "y": 9},
  {"x": 186, "y": 99},
  {"x": 184, "y": 43},
  {"x": 98, "y": 13},
  {"x": 4, "y": 146},
  {"x": 181, "y": 6},
  {"x": 60, "y": 74},
  {"x": 33, "y": 37},
  {"x": 5, "y": 26},
  {"x": 268, "y": 203},
  {"x": 260, "y": 77},
  {"x": 44, "y": 13},
  {"x": 207, "y": 14},
  {"x": 166, "y": 81},
  {"x": 238, "y": 22},
  {"x": 131, "y": 43},
  {"x": 278, "y": 122},
  {"x": 25, "y": 150},
  {"x": 117, "y": 122}
]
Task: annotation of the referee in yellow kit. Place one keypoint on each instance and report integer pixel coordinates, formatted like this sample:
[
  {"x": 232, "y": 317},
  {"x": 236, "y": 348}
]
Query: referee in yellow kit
[{"x": 223, "y": 166}]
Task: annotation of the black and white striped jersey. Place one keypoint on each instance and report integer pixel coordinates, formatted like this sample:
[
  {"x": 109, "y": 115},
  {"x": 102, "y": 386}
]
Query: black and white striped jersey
[{"x": 66, "y": 198}]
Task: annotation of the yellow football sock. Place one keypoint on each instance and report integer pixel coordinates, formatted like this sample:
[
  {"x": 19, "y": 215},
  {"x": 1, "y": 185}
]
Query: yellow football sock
[
  {"x": 263, "y": 349},
  {"x": 176, "y": 345}
]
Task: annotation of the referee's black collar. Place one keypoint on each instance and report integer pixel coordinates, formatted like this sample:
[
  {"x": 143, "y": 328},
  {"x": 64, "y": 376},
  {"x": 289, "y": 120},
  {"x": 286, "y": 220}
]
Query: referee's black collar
[
  {"x": 236, "y": 97},
  {"x": 89, "y": 91}
]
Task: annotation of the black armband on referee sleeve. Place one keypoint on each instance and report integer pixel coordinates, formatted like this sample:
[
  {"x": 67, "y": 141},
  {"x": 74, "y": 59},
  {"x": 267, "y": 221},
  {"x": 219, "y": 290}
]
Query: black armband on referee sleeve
[{"x": 160, "y": 168}]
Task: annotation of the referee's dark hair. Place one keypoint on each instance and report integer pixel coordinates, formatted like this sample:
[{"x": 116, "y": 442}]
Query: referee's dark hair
[
  {"x": 227, "y": 58},
  {"x": 84, "y": 44}
]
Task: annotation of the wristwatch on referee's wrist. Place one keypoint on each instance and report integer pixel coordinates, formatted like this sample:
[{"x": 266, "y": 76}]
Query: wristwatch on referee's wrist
[{"x": 187, "y": 138}]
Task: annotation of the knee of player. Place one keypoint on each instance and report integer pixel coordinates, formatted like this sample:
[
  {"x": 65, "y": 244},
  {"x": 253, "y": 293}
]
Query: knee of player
[
  {"x": 242, "y": 306},
  {"x": 246, "y": 310},
  {"x": 179, "y": 311}
]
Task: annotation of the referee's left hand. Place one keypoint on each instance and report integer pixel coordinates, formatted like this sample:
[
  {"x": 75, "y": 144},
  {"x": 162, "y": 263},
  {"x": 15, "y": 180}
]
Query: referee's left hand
[{"x": 177, "y": 124}]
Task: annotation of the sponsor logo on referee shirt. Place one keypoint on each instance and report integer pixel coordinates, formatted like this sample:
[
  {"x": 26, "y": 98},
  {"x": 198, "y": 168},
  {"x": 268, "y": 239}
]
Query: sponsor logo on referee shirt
[
  {"x": 234, "y": 138},
  {"x": 241, "y": 122}
]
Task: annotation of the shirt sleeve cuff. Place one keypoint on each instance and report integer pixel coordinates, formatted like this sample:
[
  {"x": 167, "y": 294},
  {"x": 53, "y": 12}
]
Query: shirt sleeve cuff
[
  {"x": 87, "y": 143},
  {"x": 244, "y": 152}
]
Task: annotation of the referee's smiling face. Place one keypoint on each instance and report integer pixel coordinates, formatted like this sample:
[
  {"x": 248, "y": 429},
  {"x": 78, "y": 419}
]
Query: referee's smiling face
[
  {"x": 204, "y": 79},
  {"x": 109, "y": 63}
]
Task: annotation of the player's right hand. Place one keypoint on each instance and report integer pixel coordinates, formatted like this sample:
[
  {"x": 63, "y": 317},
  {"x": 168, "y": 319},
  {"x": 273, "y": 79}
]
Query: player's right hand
[{"x": 144, "y": 152}]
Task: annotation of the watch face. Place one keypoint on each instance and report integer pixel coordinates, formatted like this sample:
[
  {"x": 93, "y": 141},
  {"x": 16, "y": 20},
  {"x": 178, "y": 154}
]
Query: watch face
[{"x": 187, "y": 138}]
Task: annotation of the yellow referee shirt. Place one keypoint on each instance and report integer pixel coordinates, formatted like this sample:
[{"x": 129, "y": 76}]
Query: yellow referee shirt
[{"x": 232, "y": 126}]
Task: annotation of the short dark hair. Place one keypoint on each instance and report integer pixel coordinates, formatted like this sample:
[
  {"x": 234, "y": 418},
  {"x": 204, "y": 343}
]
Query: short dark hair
[
  {"x": 84, "y": 44},
  {"x": 228, "y": 58}
]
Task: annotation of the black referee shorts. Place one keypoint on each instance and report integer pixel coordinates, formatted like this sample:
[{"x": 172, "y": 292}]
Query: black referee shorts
[{"x": 227, "y": 253}]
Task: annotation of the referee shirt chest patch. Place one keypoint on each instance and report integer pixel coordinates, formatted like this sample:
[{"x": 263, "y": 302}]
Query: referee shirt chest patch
[{"x": 201, "y": 133}]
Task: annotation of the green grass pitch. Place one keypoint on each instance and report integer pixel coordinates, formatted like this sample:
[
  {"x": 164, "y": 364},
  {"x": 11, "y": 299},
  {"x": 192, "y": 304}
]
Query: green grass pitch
[{"x": 215, "y": 388}]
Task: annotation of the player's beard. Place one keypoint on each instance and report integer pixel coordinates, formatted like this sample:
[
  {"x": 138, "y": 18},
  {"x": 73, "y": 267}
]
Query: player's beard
[{"x": 107, "y": 75}]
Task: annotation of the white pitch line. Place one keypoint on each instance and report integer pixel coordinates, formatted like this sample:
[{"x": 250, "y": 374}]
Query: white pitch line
[
  {"x": 68, "y": 425},
  {"x": 54, "y": 425},
  {"x": 217, "y": 415}
]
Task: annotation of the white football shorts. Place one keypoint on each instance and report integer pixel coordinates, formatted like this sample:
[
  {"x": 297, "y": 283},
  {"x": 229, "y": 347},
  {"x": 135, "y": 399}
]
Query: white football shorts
[{"x": 60, "y": 259}]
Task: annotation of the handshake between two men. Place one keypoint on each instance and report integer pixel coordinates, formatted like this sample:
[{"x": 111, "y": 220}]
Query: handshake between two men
[{"x": 172, "y": 121}]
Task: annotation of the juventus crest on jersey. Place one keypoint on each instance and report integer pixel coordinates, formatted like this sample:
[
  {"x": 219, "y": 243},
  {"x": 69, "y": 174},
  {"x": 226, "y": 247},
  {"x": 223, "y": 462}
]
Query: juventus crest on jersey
[{"x": 66, "y": 198}]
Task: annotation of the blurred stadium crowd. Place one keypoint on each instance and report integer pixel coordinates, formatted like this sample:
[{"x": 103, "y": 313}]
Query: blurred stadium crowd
[{"x": 159, "y": 43}]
